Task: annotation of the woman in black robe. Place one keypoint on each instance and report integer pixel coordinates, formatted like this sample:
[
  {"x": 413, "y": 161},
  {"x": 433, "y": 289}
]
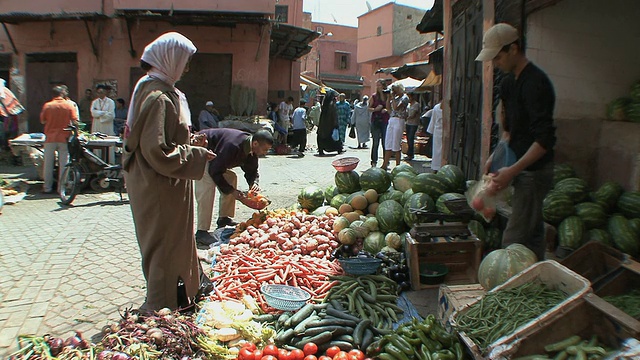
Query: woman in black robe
[{"x": 328, "y": 122}]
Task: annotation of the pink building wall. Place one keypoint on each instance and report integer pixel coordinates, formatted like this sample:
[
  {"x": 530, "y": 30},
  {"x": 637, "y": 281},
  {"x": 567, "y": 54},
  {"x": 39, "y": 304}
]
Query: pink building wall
[
  {"x": 343, "y": 38},
  {"x": 295, "y": 10},
  {"x": 370, "y": 45},
  {"x": 262, "y": 6}
]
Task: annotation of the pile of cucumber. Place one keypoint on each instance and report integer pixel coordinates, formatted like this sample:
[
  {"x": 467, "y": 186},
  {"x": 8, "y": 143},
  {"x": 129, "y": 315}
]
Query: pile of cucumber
[{"x": 571, "y": 348}]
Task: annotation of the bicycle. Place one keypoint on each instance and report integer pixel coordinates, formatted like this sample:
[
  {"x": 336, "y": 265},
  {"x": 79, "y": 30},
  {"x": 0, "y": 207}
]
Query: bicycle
[{"x": 86, "y": 168}]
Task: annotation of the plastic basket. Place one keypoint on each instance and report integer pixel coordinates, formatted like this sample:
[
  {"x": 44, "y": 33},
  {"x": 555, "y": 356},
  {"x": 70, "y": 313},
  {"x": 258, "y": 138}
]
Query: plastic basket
[
  {"x": 284, "y": 297},
  {"x": 345, "y": 164},
  {"x": 360, "y": 266}
]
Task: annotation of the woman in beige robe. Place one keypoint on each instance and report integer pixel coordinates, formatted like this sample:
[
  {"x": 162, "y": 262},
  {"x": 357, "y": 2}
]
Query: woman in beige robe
[{"x": 159, "y": 163}]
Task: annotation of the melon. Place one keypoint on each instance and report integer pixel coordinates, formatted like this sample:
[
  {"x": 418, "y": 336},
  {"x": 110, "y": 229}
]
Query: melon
[
  {"x": 376, "y": 179},
  {"x": 311, "y": 197},
  {"x": 442, "y": 200},
  {"x": 502, "y": 264},
  {"x": 433, "y": 185},
  {"x": 371, "y": 223},
  {"x": 374, "y": 242},
  {"x": 607, "y": 195},
  {"x": 371, "y": 196},
  {"x": 476, "y": 228},
  {"x": 601, "y": 236},
  {"x": 352, "y": 195},
  {"x": 359, "y": 202},
  {"x": 390, "y": 215},
  {"x": 404, "y": 167},
  {"x": 361, "y": 230},
  {"x": 453, "y": 176},
  {"x": 592, "y": 214},
  {"x": 392, "y": 194},
  {"x": 330, "y": 192},
  {"x": 393, "y": 240},
  {"x": 562, "y": 171},
  {"x": 624, "y": 236},
  {"x": 403, "y": 181},
  {"x": 629, "y": 204},
  {"x": 406, "y": 195},
  {"x": 576, "y": 188},
  {"x": 571, "y": 232},
  {"x": 338, "y": 200},
  {"x": 417, "y": 201},
  {"x": 494, "y": 238},
  {"x": 347, "y": 236},
  {"x": 556, "y": 207},
  {"x": 373, "y": 208},
  {"x": 347, "y": 182},
  {"x": 352, "y": 216},
  {"x": 635, "y": 226},
  {"x": 345, "y": 208}
]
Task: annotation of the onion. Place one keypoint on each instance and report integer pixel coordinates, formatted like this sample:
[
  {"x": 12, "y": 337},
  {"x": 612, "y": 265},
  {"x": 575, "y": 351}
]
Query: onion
[
  {"x": 56, "y": 345},
  {"x": 72, "y": 342},
  {"x": 104, "y": 355},
  {"x": 156, "y": 335},
  {"x": 120, "y": 356},
  {"x": 164, "y": 312}
]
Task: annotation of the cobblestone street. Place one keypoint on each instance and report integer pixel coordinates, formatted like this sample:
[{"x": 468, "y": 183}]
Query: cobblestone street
[{"x": 73, "y": 268}]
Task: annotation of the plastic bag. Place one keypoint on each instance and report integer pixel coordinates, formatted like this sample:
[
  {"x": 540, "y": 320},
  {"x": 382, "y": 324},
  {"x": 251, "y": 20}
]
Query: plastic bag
[
  {"x": 335, "y": 135},
  {"x": 503, "y": 156},
  {"x": 484, "y": 197}
]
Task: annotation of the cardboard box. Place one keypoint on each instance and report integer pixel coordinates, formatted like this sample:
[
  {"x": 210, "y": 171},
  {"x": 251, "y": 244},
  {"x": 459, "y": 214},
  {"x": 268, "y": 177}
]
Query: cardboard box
[
  {"x": 455, "y": 297},
  {"x": 594, "y": 260}
]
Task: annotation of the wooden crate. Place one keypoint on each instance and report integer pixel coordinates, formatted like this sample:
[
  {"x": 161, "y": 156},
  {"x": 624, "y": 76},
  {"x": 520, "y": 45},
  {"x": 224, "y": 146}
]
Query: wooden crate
[
  {"x": 454, "y": 297},
  {"x": 619, "y": 282},
  {"x": 594, "y": 260},
  {"x": 461, "y": 257}
]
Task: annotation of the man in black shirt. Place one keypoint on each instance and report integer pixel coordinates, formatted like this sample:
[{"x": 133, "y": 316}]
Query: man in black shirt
[{"x": 529, "y": 100}]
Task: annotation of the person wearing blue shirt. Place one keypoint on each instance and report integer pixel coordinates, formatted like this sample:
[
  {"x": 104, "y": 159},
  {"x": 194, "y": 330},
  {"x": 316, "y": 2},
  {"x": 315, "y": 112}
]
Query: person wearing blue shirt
[
  {"x": 300, "y": 128},
  {"x": 209, "y": 117}
]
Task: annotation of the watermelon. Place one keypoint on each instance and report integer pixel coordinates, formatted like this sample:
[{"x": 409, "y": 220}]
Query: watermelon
[
  {"x": 617, "y": 109},
  {"x": 561, "y": 172},
  {"x": 376, "y": 179},
  {"x": 390, "y": 215},
  {"x": 407, "y": 194},
  {"x": 404, "y": 167},
  {"x": 571, "y": 232},
  {"x": 347, "y": 182},
  {"x": 635, "y": 226},
  {"x": 575, "y": 188},
  {"x": 433, "y": 185},
  {"x": 502, "y": 264},
  {"x": 635, "y": 91},
  {"x": 392, "y": 194},
  {"x": 477, "y": 229},
  {"x": 403, "y": 181},
  {"x": 338, "y": 200},
  {"x": 556, "y": 207},
  {"x": 417, "y": 201},
  {"x": 592, "y": 214},
  {"x": 624, "y": 237},
  {"x": 629, "y": 204},
  {"x": 442, "y": 199},
  {"x": 330, "y": 192},
  {"x": 453, "y": 176},
  {"x": 607, "y": 195},
  {"x": 311, "y": 197},
  {"x": 633, "y": 111},
  {"x": 374, "y": 242},
  {"x": 601, "y": 236},
  {"x": 494, "y": 238},
  {"x": 350, "y": 197}
]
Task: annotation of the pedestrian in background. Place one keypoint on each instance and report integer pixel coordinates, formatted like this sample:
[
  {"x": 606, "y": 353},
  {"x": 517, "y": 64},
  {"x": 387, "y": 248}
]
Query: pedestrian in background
[
  {"x": 103, "y": 111},
  {"x": 435, "y": 129},
  {"x": 379, "y": 119},
  {"x": 285, "y": 110},
  {"x": 159, "y": 168},
  {"x": 361, "y": 119},
  {"x": 314, "y": 113},
  {"x": 209, "y": 118},
  {"x": 328, "y": 125},
  {"x": 343, "y": 109},
  {"x": 84, "y": 105},
  {"x": 411, "y": 125},
  {"x": 65, "y": 95},
  {"x": 56, "y": 115},
  {"x": 10, "y": 108},
  {"x": 121, "y": 117},
  {"x": 398, "y": 102},
  {"x": 299, "y": 120}
]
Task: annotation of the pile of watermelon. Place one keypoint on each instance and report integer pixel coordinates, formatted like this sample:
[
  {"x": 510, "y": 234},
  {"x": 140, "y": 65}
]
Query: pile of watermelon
[
  {"x": 626, "y": 108},
  {"x": 609, "y": 214}
]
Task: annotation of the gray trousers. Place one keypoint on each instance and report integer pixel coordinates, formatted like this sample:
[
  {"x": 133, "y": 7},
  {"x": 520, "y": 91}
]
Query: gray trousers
[{"x": 526, "y": 225}]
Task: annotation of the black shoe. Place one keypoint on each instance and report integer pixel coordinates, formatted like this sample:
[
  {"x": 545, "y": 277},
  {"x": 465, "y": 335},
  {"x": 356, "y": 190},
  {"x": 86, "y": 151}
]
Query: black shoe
[
  {"x": 300, "y": 155},
  {"x": 226, "y": 221},
  {"x": 203, "y": 237}
]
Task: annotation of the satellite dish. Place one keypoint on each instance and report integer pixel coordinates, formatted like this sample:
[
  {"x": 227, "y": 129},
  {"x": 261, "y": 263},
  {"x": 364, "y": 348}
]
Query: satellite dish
[{"x": 369, "y": 6}]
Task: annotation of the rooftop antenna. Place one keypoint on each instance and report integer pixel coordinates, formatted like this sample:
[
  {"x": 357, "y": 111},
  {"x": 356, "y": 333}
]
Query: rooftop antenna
[{"x": 334, "y": 19}]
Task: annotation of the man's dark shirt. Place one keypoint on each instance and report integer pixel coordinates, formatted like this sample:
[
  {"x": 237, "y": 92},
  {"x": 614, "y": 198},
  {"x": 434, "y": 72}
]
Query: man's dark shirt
[
  {"x": 529, "y": 103},
  {"x": 233, "y": 148}
]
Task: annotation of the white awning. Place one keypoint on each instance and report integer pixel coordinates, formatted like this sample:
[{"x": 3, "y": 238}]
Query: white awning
[{"x": 309, "y": 83}]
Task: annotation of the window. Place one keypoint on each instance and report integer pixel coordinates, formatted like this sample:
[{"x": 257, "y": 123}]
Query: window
[
  {"x": 342, "y": 60},
  {"x": 379, "y": 31},
  {"x": 282, "y": 13},
  {"x": 409, "y": 17},
  {"x": 320, "y": 29}
]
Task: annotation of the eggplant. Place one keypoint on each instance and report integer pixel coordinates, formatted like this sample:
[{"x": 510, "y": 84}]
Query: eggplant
[
  {"x": 404, "y": 286},
  {"x": 398, "y": 277}
]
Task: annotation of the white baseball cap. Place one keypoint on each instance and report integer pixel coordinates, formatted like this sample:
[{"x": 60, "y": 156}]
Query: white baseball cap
[
  {"x": 497, "y": 37},
  {"x": 209, "y": 103}
]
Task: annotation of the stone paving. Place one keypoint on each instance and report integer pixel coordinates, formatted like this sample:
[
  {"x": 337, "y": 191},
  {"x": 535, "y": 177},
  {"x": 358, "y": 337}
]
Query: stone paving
[{"x": 74, "y": 268}]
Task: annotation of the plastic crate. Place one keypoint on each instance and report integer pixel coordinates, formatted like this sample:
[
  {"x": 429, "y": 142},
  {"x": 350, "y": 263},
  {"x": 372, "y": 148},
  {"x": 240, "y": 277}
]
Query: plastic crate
[
  {"x": 591, "y": 316},
  {"x": 595, "y": 260},
  {"x": 549, "y": 273}
]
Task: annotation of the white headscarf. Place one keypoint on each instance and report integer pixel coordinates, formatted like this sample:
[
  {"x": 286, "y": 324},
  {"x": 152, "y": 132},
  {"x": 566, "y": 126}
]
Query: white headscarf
[{"x": 168, "y": 55}]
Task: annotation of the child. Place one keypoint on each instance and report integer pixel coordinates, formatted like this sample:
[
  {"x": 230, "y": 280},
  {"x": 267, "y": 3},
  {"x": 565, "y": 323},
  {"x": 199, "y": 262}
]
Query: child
[{"x": 300, "y": 128}]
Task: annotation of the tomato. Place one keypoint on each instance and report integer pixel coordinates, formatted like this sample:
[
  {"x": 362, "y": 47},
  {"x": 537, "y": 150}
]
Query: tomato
[
  {"x": 310, "y": 357},
  {"x": 269, "y": 357},
  {"x": 249, "y": 345},
  {"x": 356, "y": 354},
  {"x": 310, "y": 349},
  {"x": 282, "y": 354},
  {"x": 332, "y": 351},
  {"x": 270, "y": 350},
  {"x": 341, "y": 355},
  {"x": 246, "y": 354},
  {"x": 296, "y": 354},
  {"x": 324, "y": 357},
  {"x": 257, "y": 354}
]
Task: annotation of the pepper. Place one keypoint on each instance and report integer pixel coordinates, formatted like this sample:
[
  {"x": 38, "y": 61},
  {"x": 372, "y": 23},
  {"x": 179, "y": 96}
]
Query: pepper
[
  {"x": 397, "y": 353},
  {"x": 400, "y": 343},
  {"x": 424, "y": 352},
  {"x": 443, "y": 355}
]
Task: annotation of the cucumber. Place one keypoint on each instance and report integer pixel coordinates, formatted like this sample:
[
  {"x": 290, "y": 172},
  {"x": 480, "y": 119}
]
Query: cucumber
[
  {"x": 319, "y": 339},
  {"x": 285, "y": 336},
  {"x": 299, "y": 329},
  {"x": 302, "y": 314},
  {"x": 335, "y": 330},
  {"x": 358, "y": 332},
  {"x": 342, "y": 315}
]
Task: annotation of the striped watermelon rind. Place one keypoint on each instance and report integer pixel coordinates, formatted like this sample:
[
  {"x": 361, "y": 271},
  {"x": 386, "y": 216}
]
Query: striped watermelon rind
[
  {"x": 417, "y": 201},
  {"x": 376, "y": 179},
  {"x": 403, "y": 181},
  {"x": 392, "y": 194},
  {"x": 562, "y": 171},
  {"x": 494, "y": 237},
  {"x": 330, "y": 192},
  {"x": 453, "y": 176},
  {"x": 624, "y": 237},
  {"x": 592, "y": 214},
  {"x": 635, "y": 226},
  {"x": 607, "y": 195},
  {"x": 390, "y": 216},
  {"x": 571, "y": 232},
  {"x": 500, "y": 265},
  {"x": 477, "y": 229},
  {"x": 338, "y": 200},
  {"x": 601, "y": 236},
  {"x": 311, "y": 197},
  {"x": 577, "y": 189},
  {"x": 404, "y": 167},
  {"x": 442, "y": 199},
  {"x": 629, "y": 204},
  {"x": 347, "y": 182},
  {"x": 431, "y": 184},
  {"x": 406, "y": 195},
  {"x": 556, "y": 207}
]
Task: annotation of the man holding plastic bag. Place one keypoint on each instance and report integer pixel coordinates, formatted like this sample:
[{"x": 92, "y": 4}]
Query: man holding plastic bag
[{"x": 529, "y": 99}]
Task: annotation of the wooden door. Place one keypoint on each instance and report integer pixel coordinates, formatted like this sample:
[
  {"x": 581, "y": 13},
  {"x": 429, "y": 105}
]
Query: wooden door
[
  {"x": 466, "y": 96},
  {"x": 43, "y": 72}
]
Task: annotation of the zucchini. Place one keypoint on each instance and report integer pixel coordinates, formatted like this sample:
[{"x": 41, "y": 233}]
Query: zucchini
[
  {"x": 302, "y": 314},
  {"x": 367, "y": 339},
  {"x": 358, "y": 332},
  {"x": 285, "y": 336},
  {"x": 299, "y": 329},
  {"x": 319, "y": 339},
  {"x": 335, "y": 330},
  {"x": 342, "y": 314}
]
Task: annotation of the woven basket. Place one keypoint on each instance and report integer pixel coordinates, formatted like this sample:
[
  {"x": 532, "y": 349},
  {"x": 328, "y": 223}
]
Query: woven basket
[
  {"x": 345, "y": 164},
  {"x": 360, "y": 266},
  {"x": 284, "y": 297}
]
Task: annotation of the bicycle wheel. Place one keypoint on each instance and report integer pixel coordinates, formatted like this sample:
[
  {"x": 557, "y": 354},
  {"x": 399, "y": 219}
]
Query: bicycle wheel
[{"x": 70, "y": 184}]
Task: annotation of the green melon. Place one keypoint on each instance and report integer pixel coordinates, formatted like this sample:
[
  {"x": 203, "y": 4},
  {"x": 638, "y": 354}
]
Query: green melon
[
  {"x": 376, "y": 179},
  {"x": 373, "y": 242},
  {"x": 601, "y": 236},
  {"x": 390, "y": 216},
  {"x": 494, "y": 238},
  {"x": 592, "y": 214},
  {"x": 576, "y": 188},
  {"x": 347, "y": 182},
  {"x": 629, "y": 204},
  {"x": 617, "y": 109},
  {"x": 607, "y": 195},
  {"x": 417, "y": 201},
  {"x": 406, "y": 195},
  {"x": 403, "y": 167},
  {"x": 338, "y": 200},
  {"x": 392, "y": 194},
  {"x": 403, "y": 181},
  {"x": 624, "y": 237},
  {"x": 556, "y": 207},
  {"x": 433, "y": 185},
  {"x": 311, "y": 197},
  {"x": 330, "y": 192},
  {"x": 502, "y": 264},
  {"x": 477, "y": 229},
  {"x": 442, "y": 199},
  {"x": 635, "y": 226},
  {"x": 453, "y": 176},
  {"x": 350, "y": 197},
  {"x": 571, "y": 232},
  {"x": 562, "y": 171}
]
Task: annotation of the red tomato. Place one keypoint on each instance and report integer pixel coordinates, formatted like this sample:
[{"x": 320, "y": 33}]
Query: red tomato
[
  {"x": 359, "y": 355},
  {"x": 310, "y": 349},
  {"x": 269, "y": 357},
  {"x": 296, "y": 354},
  {"x": 310, "y": 357},
  {"x": 270, "y": 350},
  {"x": 332, "y": 351},
  {"x": 341, "y": 355},
  {"x": 246, "y": 354},
  {"x": 257, "y": 354},
  {"x": 249, "y": 345},
  {"x": 324, "y": 357},
  {"x": 282, "y": 354}
]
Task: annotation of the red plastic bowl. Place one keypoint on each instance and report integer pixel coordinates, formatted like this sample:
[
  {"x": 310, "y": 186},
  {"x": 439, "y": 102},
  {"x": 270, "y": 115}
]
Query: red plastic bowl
[{"x": 345, "y": 164}]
